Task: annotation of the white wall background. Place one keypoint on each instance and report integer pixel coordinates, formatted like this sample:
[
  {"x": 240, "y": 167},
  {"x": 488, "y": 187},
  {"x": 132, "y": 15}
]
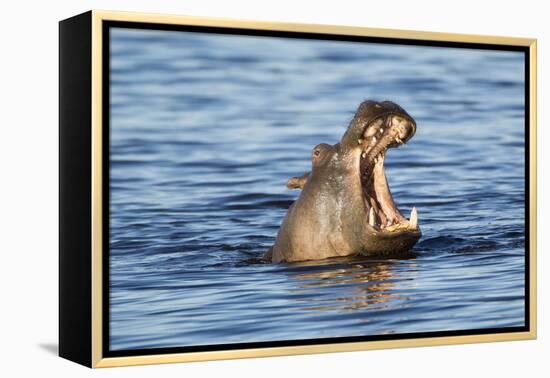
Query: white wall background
[{"x": 28, "y": 186}]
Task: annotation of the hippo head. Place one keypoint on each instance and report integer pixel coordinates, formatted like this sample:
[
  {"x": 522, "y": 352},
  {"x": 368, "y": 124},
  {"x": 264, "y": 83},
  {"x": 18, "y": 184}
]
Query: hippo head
[{"x": 346, "y": 206}]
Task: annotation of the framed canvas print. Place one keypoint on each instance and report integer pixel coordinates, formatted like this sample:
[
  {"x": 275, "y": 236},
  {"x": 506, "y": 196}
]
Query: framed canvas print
[{"x": 234, "y": 189}]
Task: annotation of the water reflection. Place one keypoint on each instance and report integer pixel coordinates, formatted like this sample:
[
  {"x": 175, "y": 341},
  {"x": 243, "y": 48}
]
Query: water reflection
[{"x": 358, "y": 283}]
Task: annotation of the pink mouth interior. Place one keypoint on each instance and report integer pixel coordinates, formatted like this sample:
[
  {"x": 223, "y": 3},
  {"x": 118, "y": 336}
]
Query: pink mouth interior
[{"x": 376, "y": 192}]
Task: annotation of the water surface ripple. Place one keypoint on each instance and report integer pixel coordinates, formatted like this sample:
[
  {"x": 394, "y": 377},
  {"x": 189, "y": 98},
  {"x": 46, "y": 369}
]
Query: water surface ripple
[{"x": 206, "y": 129}]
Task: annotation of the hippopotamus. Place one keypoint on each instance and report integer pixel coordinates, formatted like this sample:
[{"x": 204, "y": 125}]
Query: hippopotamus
[{"x": 345, "y": 206}]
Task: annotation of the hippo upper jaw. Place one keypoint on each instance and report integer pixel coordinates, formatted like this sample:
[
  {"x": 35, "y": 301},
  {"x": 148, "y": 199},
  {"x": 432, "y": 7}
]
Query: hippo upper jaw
[{"x": 373, "y": 113}]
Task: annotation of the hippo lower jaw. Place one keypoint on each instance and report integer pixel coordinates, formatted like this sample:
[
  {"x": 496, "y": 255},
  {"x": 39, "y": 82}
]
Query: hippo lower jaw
[{"x": 383, "y": 214}]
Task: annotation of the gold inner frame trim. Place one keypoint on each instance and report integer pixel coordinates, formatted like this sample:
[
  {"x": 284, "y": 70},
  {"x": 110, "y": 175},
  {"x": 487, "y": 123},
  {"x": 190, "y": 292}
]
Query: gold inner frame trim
[{"x": 97, "y": 197}]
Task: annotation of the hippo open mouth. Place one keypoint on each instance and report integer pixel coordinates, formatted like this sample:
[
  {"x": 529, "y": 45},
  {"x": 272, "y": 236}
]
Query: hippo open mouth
[
  {"x": 346, "y": 207},
  {"x": 383, "y": 133}
]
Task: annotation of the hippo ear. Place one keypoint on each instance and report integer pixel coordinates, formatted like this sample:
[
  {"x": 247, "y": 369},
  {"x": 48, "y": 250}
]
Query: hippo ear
[{"x": 297, "y": 182}]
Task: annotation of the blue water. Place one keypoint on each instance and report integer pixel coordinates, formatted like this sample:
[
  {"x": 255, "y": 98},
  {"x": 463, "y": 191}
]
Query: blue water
[{"x": 205, "y": 130}]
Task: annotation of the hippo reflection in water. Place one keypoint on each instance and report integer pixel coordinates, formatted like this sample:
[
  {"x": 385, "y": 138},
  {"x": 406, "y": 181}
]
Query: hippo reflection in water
[{"x": 345, "y": 207}]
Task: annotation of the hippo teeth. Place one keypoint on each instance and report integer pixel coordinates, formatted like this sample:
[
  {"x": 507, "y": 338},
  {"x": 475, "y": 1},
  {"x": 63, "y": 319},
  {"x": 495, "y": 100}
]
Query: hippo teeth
[
  {"x": 413, "y": 219},
  {"x": 411, "y": 224},
  {"x": 371, "y": 217}
]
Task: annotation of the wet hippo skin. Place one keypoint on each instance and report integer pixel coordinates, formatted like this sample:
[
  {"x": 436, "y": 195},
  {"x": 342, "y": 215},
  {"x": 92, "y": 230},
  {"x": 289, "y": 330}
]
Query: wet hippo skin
[{"x": 346, "y": 207}]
